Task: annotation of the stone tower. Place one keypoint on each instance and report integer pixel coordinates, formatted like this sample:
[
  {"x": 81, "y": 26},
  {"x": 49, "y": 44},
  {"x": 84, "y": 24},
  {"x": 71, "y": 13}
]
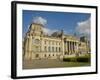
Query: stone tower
[{"x": 32, "y": 41}]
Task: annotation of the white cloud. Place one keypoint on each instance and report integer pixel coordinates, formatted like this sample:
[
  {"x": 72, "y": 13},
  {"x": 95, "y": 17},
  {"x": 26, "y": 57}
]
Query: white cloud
[
  {"x": 39, "y": 20},
  {"x": 48, "y": 31},
  {"x": 84, "y": 28}
]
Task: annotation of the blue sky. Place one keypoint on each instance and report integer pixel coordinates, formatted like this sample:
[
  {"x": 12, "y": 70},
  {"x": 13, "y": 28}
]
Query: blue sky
[{"x": 56, "y": 20}]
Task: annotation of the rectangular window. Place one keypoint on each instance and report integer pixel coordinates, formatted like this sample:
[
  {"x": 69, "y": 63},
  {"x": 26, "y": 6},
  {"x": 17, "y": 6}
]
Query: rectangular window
[
  {"x": 49, "y": 48},
  {"x": 52, "y": 43},
  {"x": 59, "y": 49},
  {"x": 45, "y": 42},
  {"x": 55, "y": 43},
  {"x": 49, "y": 42},
  {"x": 52, "y": 49},
  {"x": 56, "y": 49},
  {"x": 45, "y": 48},
  {"x": 45, "y": 55},
  {"x": 37, "y": 55}
]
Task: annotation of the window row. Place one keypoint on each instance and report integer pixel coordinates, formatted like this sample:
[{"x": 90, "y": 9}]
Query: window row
[
  {"x": 50, "y": 55},
  {"x": 46, "y": 49},
  {"x": 46, "y": 55},
  {"x": 52, "y": 42},
  {"x": 52, "y": 49}
]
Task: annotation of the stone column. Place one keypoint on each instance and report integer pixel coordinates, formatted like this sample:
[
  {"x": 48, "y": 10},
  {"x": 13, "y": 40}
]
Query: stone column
[
  {"x": 62, "y": 41},
  {"x": 26, "y": 48},
  {"x": 74, "y": 47},
  {"x": 42, "y": 47},
  {"x": 30, "y": 47},
  {"x": 63, "y": 47},
  {"x": 66, "y": 46},
  {"x": 69, "y": 47}
]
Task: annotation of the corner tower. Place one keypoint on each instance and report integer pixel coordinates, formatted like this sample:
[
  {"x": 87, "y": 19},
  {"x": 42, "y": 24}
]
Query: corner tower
[{"x": 33, "y": 40}]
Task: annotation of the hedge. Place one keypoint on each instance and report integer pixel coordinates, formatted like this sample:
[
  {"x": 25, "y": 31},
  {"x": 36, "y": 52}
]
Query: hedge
[
  {"x": 83, "y": 59},
  {"x": 77, "y": 59}
]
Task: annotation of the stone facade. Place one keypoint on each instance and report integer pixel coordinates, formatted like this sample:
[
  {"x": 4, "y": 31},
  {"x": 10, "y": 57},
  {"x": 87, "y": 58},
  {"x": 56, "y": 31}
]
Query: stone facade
[{"x": 38, "y": 45}]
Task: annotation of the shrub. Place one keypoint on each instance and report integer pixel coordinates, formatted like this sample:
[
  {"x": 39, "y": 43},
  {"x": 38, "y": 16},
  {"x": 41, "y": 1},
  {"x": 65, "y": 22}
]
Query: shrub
[
  {"x": 67, "y": 59},
  {"x": 77, "y": 59},
  {"x": 83, "y": 59},
  {"x": 70, "y": 59}
]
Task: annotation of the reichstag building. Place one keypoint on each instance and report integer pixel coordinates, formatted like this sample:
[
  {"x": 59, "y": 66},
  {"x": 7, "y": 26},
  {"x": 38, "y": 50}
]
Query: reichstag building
[{"x": 38, "y": 45}]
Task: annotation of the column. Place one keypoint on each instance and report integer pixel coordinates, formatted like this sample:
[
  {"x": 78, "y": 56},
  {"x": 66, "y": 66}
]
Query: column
[
  {"x": 74, "y": 47},
  {"x": 63, "y": 47},
  {"x": 69, "y": 47},
  {"x": 66, "y": 47},
  {"x": 42, "y": 45},
  {"x": 30, "y": 47},
  {"x": 77, "y": 46},
  {"x": 26, "y": 48}
]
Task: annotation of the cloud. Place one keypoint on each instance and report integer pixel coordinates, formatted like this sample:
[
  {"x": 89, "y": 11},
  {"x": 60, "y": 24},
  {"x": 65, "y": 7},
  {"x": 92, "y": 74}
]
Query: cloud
[
  {"x": 84, "y": 27},
  {"x": 39, "y": 20},
  {"x": 48, "y": 31}
]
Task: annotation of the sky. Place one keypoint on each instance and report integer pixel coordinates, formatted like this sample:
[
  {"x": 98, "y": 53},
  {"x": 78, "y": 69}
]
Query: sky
[{"x": 71, "y": 23}]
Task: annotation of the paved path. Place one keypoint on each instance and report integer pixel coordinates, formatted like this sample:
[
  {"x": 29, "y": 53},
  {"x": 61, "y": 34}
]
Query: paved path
[{"x": 50, "y": 63}]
